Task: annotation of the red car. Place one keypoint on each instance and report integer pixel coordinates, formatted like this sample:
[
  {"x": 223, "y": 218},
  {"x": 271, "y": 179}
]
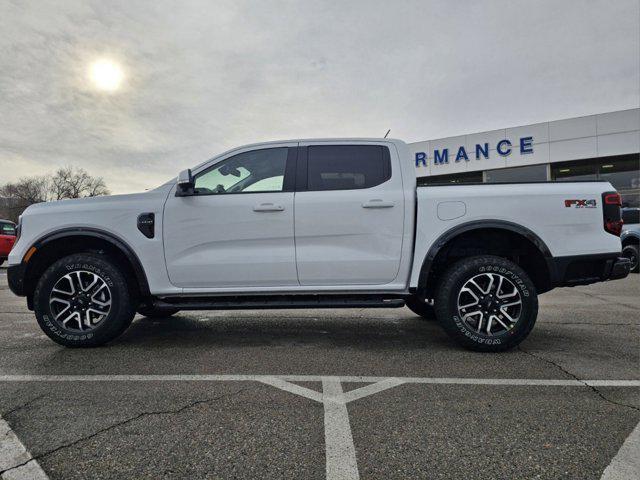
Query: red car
[{"x": 7, "y": 238}]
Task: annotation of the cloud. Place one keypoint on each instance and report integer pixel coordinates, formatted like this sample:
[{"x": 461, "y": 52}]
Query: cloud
[{"x": 203, "y": 76}]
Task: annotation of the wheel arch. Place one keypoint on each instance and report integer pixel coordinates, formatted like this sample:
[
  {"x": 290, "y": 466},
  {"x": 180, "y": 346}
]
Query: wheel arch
[
  {"x": 57, "y": 244},
  {"x": 630, "y": 239},
  {"x": 537, "y": 267}
]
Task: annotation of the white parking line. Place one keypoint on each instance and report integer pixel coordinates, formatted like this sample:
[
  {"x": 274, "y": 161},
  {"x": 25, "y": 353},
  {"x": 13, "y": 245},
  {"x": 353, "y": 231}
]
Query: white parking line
[
  {"x": 626, "y": 464},
  {"x": 319, "y": 378},
  {"x": 340, "y": 451},
  {"x": 13, "y": 453},
  {"x": 341, "y": 462}
]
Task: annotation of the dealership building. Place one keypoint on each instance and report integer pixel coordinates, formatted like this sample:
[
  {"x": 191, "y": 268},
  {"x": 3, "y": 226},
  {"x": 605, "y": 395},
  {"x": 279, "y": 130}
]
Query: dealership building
[{"x": 596, "y": 147}]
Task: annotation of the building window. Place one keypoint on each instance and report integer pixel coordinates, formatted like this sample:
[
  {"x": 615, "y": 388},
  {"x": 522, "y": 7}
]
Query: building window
[
  {"x": 623, "y": 172},
  {"x": 456, "y": 178},
  {"x": 530, "y": 173}
]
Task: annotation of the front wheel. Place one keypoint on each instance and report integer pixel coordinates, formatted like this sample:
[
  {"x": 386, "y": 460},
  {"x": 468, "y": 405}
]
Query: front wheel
[
  {"x": 631, "y": 252},
  {"x": 83, "y": 300},
  {"x": 486, "y": 303}
]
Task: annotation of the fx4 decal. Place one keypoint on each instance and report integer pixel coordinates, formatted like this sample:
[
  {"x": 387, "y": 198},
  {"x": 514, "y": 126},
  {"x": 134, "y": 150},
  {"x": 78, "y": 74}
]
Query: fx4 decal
[{"x": 580, "y": 203}]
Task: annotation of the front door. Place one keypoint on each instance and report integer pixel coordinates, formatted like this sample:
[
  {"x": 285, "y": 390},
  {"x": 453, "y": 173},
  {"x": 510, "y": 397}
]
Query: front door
[
  {"x": 237, "y": 229},
  {"x": 349, "y": 215}
]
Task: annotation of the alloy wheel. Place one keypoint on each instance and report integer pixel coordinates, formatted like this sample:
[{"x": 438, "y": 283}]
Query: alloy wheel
[
  {"x": 80, "y": 301},
  {"x": 489, "y": 303}
]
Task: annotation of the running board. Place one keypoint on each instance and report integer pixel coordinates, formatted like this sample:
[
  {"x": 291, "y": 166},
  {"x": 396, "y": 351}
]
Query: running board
[{"x": 278, "y": 302}]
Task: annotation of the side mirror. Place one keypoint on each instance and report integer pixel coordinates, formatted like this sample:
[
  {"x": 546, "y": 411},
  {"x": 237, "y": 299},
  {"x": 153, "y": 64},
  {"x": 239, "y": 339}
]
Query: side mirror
[{"x": 185, "y": 185}]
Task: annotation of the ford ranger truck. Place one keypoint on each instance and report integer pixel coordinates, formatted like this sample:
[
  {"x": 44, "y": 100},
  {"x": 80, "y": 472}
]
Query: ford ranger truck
[{"x": 315, "y": 224}]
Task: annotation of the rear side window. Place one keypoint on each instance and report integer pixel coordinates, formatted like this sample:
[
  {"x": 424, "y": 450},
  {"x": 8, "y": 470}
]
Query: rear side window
[{"x": 347, "y": 167}]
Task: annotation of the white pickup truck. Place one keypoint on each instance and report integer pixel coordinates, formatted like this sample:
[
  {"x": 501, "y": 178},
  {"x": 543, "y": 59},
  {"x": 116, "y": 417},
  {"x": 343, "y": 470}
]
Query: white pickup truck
[{"x": 315, "y": 224}]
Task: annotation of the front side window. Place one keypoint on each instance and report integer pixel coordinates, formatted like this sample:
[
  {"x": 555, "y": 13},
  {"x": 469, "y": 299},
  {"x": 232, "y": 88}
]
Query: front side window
[
  {"x": 254, "y": 171},
  {"x": 347, "y": 167}
]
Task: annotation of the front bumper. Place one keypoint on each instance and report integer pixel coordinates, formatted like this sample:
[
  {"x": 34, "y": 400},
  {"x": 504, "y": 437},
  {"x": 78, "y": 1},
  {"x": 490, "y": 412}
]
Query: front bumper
[
  {"x": 587, "y": 269},
  {"x": 15, "y": 278}
]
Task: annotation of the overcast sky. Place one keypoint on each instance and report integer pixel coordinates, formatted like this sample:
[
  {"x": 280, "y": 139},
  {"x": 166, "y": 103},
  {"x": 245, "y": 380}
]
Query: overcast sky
[{"x": 204, "y": 76}]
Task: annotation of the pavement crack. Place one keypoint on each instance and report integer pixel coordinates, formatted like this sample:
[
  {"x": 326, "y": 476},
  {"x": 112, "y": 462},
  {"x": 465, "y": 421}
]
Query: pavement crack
[
  {"x": 119, "y": 424},
  {"x": 21, "y": 406},
  {"x": 607, "y": 299},
  {"x": 575, "y": 377}
]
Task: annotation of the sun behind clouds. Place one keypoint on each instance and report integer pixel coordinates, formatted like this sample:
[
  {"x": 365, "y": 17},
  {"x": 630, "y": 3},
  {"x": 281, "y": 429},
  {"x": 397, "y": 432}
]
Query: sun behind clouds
[{"x": 106, "y": 75}]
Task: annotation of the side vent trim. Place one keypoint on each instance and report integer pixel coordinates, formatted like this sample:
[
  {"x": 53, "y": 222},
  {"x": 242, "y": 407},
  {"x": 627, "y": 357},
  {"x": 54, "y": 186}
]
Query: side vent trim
[{"x": 146, "y": 224}]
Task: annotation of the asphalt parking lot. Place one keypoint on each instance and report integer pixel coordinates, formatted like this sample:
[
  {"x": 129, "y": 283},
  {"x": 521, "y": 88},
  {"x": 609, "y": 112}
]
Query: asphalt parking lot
[{"x": 326, "y": 394}]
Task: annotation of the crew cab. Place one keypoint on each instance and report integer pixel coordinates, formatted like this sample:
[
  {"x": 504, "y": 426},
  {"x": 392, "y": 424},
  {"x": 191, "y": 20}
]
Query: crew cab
[
  {"x": 7, "y": 238},
  {"x": 315, "y": 224}
]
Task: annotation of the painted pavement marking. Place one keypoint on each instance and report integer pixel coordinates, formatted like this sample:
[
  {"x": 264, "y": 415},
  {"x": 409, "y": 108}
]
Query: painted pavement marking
[
  {"x": 13, "y": 453},
  {"x": 340, "y": 451}
]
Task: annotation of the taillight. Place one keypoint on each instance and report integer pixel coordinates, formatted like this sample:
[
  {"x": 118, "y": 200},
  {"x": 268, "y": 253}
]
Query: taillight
[
  {"x": 612, "y": 199},
  {"x": 611, "y": 212}
]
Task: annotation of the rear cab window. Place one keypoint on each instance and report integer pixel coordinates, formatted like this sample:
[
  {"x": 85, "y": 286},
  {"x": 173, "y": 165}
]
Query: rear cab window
[{"x": 347, "y": 167}]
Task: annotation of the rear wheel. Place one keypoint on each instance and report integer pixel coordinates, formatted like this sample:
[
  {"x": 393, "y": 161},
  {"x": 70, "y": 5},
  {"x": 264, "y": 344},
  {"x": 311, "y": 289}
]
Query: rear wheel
[
  {"x": 418, "y": 306},
  {"x": 486, "y": 303},
  {"x": 83, "y": 300},
  {"x": 155, "y": 312},
  {"x": 631, "y": 252}
]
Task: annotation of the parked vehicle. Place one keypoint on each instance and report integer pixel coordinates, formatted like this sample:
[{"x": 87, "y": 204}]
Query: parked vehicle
[
  {"x": 7, "y": 239},
  {"x": 315, "y": 223},
  {"x": 631, "y": 236}
]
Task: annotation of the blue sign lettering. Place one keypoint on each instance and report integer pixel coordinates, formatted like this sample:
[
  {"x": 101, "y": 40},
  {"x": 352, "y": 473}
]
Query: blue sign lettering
[
  {"x": 484, "y": 151},
  {"x": 503, "y": 147},
  {"x": 500, "y": 147},
  {"x": 439, "y": 159},
  {"x": 526, "y": 145},
  {"x": 462, "y": 153}
]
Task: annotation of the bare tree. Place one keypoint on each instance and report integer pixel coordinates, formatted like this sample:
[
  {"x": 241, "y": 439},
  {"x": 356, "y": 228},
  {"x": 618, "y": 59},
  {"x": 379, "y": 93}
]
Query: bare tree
[
  {"x": 67, "y": 182},
  {"x": 70, "y": 182},
  {"x": 19, "y": 195}
]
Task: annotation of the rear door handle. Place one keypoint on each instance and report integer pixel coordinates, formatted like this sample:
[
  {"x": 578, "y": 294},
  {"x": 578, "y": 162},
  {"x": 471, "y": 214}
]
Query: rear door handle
[
  {"x": 377, "y": 203},
  {"x": 268, "y": 207}
]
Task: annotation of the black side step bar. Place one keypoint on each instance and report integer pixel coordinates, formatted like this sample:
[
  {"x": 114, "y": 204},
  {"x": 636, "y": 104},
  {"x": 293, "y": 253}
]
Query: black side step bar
[{"x": 278, "y": 301}]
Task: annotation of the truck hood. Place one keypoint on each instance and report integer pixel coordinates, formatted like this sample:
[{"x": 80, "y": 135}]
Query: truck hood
[{"x": 106, "y": 202}]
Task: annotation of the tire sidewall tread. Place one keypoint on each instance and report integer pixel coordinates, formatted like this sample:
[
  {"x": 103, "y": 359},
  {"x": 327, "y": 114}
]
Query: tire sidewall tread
[
  {"x": 447, "y": 295},
  {"x": 122, "y": 309}
]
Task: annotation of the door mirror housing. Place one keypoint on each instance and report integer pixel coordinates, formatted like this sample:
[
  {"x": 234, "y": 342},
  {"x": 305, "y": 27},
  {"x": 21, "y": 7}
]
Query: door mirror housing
[{"x": 185, "y": 185}]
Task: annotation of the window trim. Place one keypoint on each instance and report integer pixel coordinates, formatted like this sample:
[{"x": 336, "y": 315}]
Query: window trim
[
  {"x": 288, "y": 182},
  {"x": 302, "y": 170}
]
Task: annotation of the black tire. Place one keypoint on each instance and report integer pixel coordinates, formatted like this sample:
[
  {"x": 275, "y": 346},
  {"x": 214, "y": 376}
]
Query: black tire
[
  {"x": 153, "y": 312},
  {"x": 463, "y": 330},
  {"x": 1, "y": 261},
  {"x": 421, "y": 308},
  {"x": 114, "y": 323},
  {"x": 631, "y": 252}
]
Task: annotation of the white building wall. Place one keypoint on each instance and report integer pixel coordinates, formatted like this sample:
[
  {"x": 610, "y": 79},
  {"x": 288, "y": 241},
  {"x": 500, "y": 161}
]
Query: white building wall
[{"x": 606, "y": 134}]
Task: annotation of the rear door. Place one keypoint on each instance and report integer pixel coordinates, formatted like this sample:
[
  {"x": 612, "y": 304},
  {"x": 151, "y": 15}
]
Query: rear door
[{"x": 349, "y": 214}]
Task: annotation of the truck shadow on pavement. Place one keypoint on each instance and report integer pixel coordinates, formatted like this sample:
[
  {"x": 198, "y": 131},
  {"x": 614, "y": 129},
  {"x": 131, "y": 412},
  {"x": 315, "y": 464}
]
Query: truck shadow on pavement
[{"x": 235, "y": 329}]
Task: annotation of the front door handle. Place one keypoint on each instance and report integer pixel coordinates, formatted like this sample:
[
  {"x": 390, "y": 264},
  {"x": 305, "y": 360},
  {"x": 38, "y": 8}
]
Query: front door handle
[
  {"x": 268, "y": 207},
  {"x": 377, "y": 203}
]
